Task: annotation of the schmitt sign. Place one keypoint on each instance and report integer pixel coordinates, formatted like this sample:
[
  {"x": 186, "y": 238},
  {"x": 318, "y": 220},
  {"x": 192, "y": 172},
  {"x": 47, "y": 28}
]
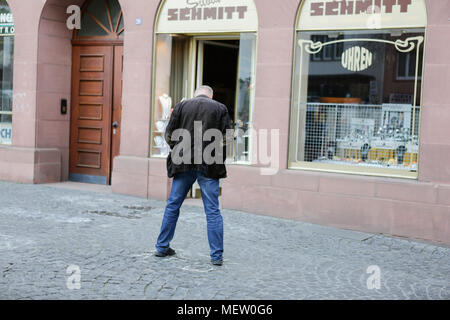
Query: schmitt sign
[
  {"x": 361, "y": 14},
  {"x": 207, "y": 16}
]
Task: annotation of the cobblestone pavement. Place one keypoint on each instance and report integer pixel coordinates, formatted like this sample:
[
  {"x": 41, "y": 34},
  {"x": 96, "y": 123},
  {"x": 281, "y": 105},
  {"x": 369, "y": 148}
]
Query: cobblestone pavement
[{"x": 44, "y": 230}]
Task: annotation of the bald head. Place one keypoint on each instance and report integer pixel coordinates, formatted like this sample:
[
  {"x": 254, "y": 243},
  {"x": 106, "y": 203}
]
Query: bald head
[{"x": 204, "y": 90}]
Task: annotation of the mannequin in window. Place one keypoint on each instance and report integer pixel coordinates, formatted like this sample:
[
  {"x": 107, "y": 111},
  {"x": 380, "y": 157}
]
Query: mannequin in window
[{"x": 166, "y": 103}]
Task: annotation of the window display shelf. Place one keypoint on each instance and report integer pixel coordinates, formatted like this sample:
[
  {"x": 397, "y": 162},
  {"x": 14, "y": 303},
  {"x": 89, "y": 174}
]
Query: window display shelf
[
  {"x": 371, "y": 164},
  {"x": 389, "y": 145}
]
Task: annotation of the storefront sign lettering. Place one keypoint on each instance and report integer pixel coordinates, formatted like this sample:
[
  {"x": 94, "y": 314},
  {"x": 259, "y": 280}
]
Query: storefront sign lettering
[
  {"x": 206, "y": 13},
  {"x": 6, "y": 24},
  {"x": 200, "y": 3},
  {"x": 362, "y": 14},
  {"x": 6, "y": 30},
  {"x": 207, "y": 16},
  {"x": 5, "y": 133},
  {"x": 356, "y": 59},
  {"x": 347, "y": 7},
  {"x": 6, "y": 18}
]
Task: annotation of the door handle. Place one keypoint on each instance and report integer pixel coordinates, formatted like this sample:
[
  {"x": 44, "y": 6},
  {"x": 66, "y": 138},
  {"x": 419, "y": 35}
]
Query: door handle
[{"x": 115, "y": 124}]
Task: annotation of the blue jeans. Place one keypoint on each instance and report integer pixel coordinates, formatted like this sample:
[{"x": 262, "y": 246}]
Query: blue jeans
[{"x": 182, "y": 182}]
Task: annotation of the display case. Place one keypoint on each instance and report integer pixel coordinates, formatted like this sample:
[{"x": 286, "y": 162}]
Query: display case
[
  {"x": 161, "y": 120},
  {"x": 367, "y": 135}
]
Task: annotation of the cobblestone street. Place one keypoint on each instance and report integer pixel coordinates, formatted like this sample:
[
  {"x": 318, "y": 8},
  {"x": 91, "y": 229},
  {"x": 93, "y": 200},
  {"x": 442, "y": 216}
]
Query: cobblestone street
[{"x": 45, "y": 229}]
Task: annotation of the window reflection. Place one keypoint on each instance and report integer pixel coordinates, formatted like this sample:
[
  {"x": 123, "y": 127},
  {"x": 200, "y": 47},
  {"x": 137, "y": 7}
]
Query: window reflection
[{"x": 357, "y": 99}]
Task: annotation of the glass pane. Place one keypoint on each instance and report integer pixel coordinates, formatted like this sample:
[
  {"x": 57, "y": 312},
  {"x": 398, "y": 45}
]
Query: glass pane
[
  {"x": 6, "y": 118},
  {"x": 120, "y": 24},
  {"x": 350, "y": 110},
  {"x": 90, "y": 28},
  {"x": 420, "y": 63},
  {"x": 171, "y": 85},
  {"x": 4, "y": 8},
  {"x": 114, "y": 8},
  {"x": 98, "y": 9},
  {"x": 412, "y": 64},
  {"x": 245, "y": 85},
  {"x": 6, "y": 73},
  {"x": 179, "y": 69},
  {"x": 163, "y": 101},
  {"x": 402, "y": 62}
]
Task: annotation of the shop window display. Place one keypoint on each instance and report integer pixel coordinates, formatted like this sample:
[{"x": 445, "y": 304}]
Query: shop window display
[
  {"x": 351, "y": 110},
  {"x": 183, "y": 62},
  {"x": 205, "y": 43},
  {"x": 171, "y": 85},
  {"x": 6, "y": 72}
]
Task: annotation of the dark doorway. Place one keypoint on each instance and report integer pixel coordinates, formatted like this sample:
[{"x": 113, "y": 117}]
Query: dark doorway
[{"x": 220, "y": 68}]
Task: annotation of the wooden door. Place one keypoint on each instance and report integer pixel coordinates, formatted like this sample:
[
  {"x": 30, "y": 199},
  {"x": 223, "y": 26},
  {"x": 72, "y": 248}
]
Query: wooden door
[{"x": 91, "y": 113}]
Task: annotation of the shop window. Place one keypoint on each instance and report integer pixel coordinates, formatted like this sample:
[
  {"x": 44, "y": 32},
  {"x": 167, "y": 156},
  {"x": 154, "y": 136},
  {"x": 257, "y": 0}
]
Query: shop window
[
  {"x": 357, "y": 87},
  {"x": 205, "y": 43},
  {"x": 6, "y": 72},
  {"x": 345, "y": 115},
  {"x": 182, "y": 63},
  {"x": 171, "y": 85}
]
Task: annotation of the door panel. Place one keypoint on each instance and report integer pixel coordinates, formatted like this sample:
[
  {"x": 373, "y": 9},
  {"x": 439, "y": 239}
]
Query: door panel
[
  {"x": 117, "y": 103},
  {"x": 92, "y": 83}
]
